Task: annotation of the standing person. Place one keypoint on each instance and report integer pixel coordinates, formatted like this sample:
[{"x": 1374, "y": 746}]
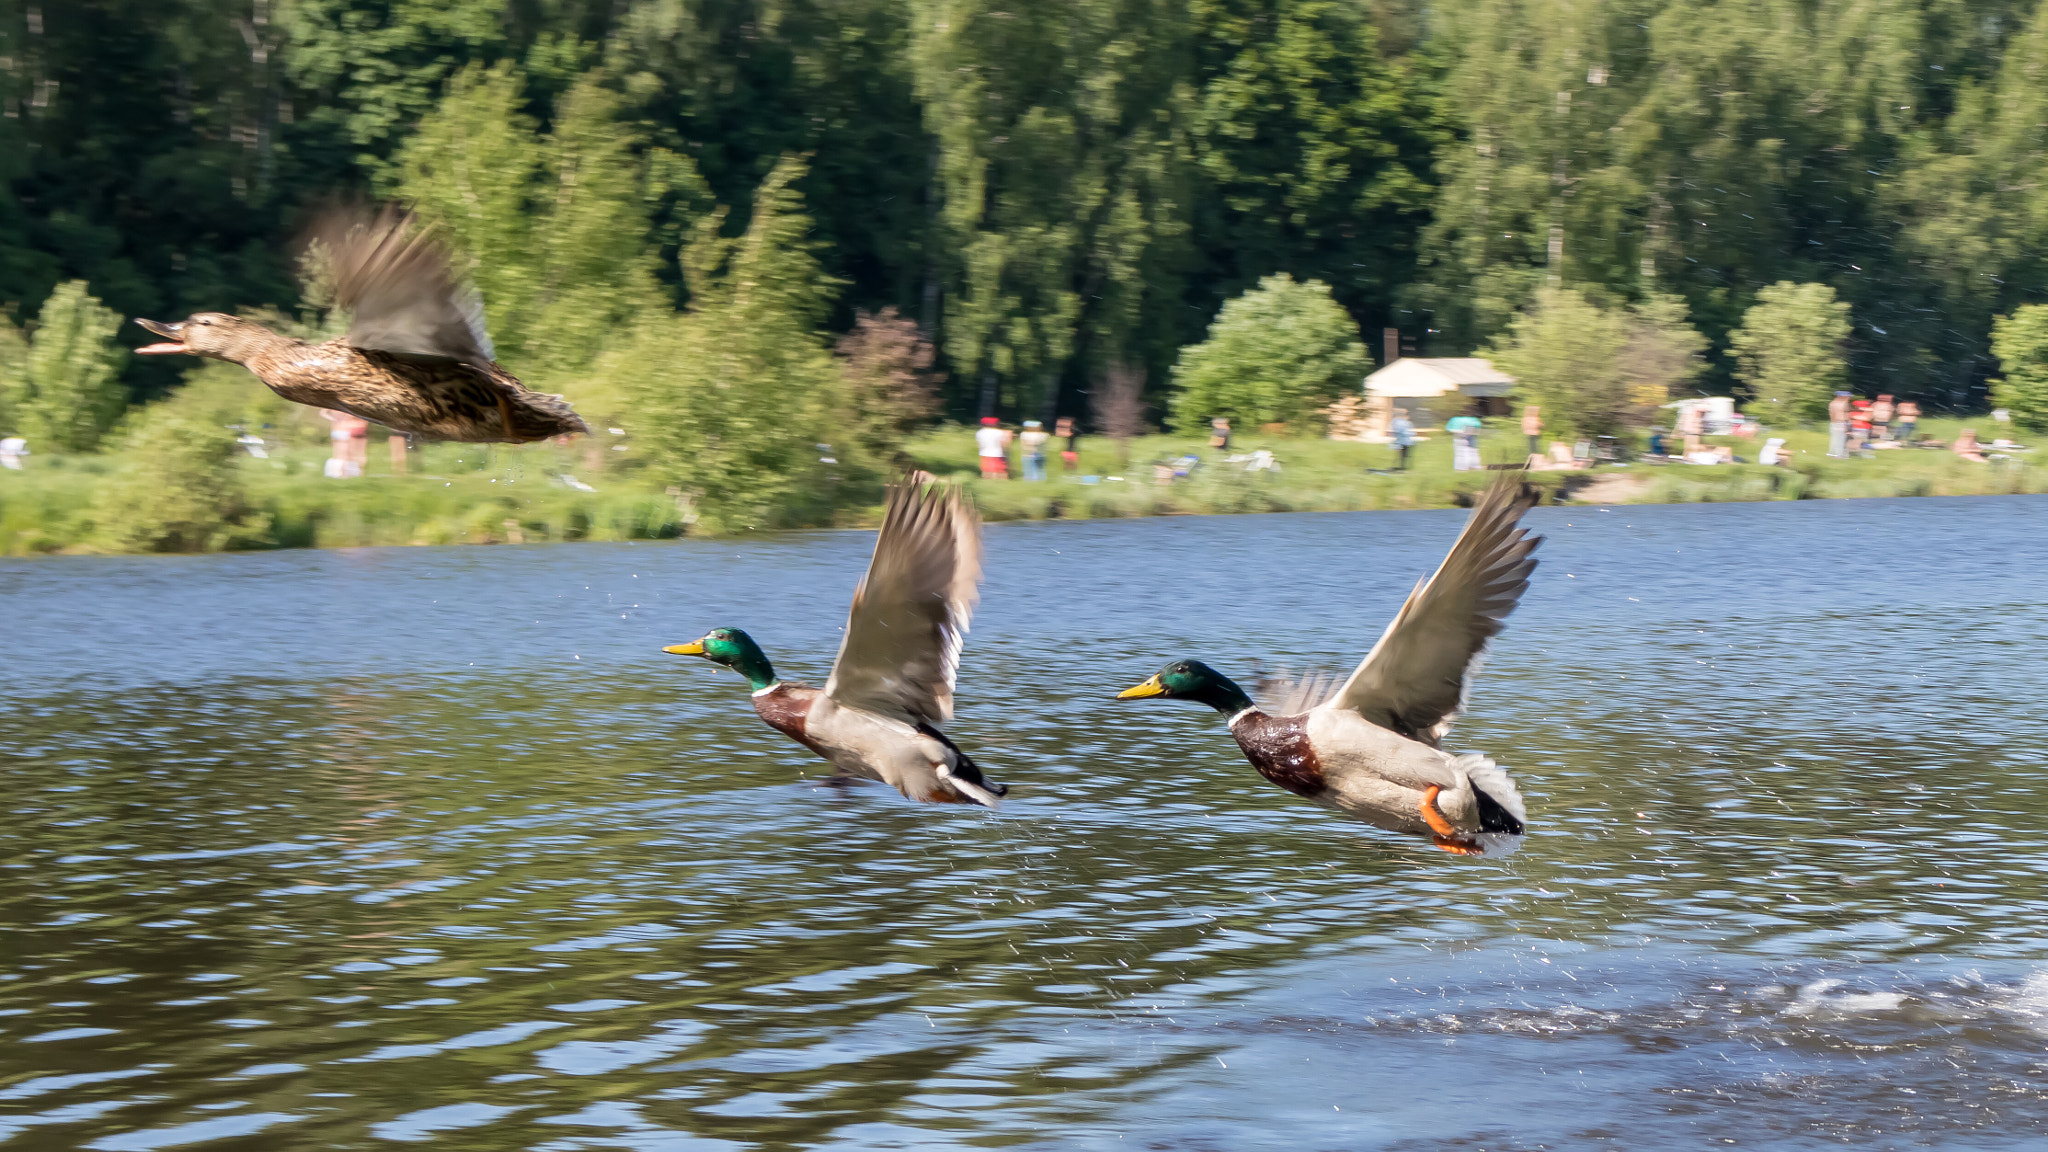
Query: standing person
[
  {"x": 1532, "y": 427},
  {"x": 1838, "y": 426},
  {"x": 1908, "y": 416},
  {"x": 1219, "y": 434},
  {"x": 1689, "y": 427},
  {"x": 1464, "y": 430},
  {"x": 349, "y": 435},
  {"x": 1070, "y": 439},
  {"x": 1881, "y": 417},
  {"x": 1033, "y": 440},
  {"x": 1859, "y": 426},
  {"x": 1404, "y": 435},
  {"x": 992, "y": 443}
]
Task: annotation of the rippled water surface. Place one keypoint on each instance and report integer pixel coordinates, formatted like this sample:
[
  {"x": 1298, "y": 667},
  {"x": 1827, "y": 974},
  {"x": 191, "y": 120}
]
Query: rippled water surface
[{"x": 355, "y": 850}]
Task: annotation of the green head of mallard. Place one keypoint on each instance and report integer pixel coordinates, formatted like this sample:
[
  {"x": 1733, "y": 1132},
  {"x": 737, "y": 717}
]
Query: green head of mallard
[
  {"x": 1192, "y": 680},
  {"x": 734, "y": 649}
]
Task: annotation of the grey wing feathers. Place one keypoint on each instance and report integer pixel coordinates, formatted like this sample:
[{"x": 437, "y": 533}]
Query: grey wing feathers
[
  {"x": 1414, "y": 680},
  {"x": 397, "y": 278},
  {"x": 909, "y": 618},
  {"x": 1285, "y": 694}
]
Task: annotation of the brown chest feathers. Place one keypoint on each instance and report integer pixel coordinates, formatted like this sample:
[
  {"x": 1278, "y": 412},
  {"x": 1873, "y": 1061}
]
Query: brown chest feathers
[
  {"x": 1278, "y": 747},
  {"x": 787, "y": 709}
]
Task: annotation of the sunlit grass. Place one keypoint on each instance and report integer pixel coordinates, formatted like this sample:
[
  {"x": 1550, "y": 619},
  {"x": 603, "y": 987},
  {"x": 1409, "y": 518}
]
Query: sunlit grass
[{"x": 462, "y": 493}]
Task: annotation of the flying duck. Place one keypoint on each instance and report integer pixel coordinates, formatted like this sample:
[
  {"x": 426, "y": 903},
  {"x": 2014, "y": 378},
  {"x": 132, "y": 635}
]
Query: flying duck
[
  {"x": 1373, "y": 749},
  {"x": 878, "y": 716}
]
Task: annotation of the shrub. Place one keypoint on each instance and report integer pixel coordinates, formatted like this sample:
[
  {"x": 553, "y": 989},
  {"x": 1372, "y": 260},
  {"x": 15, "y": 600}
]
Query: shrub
[
  {"x": 736, "y": 396},
  {"x": 64, "y": 391},
  {"x": 891, "y": 390},
  {"x": 1279, "y": 353},
  {"x": 1789, "y": 350},
  {"x": 181, "y": 490},
  {"x": 2020, "y": 342}
]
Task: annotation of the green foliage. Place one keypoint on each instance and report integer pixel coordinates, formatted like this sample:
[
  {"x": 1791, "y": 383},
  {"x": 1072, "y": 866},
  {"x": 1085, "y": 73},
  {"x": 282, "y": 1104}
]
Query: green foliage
[
  {"x": 1790, "y": 348},
  {"x": 62, "y": 391},
  {"x": 561, "y": 226},
  {"x": 2020, "y": 341},
  {"x": 1277, "y": 354},
  {"x": 1565, "y": 355},
  {"x": 735, "y": 396},
  {"x": 180, "y": 490},
  {"x": 1598, "y": 371}
]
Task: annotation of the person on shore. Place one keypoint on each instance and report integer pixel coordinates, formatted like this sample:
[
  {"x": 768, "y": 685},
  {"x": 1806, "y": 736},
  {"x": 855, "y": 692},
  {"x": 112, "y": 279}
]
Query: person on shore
[
  {"x": 1404, "y": 436},
  {"x": 1908, "y": 418},
  {"x": 1689, "y": 420},
  {"x": 992, "y": 443},
  {"x": 1966, "y": 446},
  {"x": 12, "y": 449},
  {"x": 1838, "y": 426},
  {"x": 1532, "y": 428},
  {"x": 350, "y": 436},
  {"x": 1859, "y": 427},
  {"x": 1033, "y": 441},
  {"x": 1219, "y": 434},
  {"x": 1070, "y": 441},
  {"x": 1774, "y": 453},
  {"x": 1464, "y": 430},
  {"x": 1881, "y": 417}
]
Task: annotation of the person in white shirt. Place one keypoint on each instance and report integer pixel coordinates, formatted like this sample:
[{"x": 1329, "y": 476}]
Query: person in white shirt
[{"x": 993, "y": 444}]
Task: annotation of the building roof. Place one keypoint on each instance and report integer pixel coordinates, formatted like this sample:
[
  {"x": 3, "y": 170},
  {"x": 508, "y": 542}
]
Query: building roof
[{"x": 1431, "y": 376}]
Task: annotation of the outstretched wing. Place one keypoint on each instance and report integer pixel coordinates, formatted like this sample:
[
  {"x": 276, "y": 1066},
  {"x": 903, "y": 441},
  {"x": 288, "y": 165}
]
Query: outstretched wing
[
  {"x": 1285, "y": 694},
  {"x": 1414, "y": 680},
  {"x": 910, "y": 613},
  {"x": 398, "y": 279}
]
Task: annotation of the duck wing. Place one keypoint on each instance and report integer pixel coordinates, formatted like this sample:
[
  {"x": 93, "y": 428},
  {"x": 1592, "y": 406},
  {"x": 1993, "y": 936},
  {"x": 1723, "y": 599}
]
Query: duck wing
[
  {"x": 399, "y": 280},
  {"x": 1414, "y": 680},
  {"x": 1284, "y": 693},
  {"x": 910, "y": 613}
]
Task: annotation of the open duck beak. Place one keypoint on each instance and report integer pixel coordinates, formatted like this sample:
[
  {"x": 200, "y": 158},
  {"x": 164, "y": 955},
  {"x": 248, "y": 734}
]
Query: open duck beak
[
  {"x": 170, "y": 332},
  {"x": 693, "y": 648},
  {"x": 1150, "y": 687}
]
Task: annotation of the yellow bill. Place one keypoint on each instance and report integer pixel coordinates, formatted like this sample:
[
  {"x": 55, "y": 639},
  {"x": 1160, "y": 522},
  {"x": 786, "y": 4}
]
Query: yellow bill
[
  {"x": 693, "y": 648},
  {"x": 1150, "y": 687}
]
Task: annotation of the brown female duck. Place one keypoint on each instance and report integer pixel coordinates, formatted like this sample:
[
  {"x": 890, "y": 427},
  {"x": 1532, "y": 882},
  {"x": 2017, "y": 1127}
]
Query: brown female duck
[
  {"x": 878, "y": 716},
  {"x": 415, "y": 359},
  {"x": 1373, "y": 749}
]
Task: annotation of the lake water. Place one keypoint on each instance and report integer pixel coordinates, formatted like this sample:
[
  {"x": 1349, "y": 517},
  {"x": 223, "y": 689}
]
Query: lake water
[{"x": 433, "y": 846}]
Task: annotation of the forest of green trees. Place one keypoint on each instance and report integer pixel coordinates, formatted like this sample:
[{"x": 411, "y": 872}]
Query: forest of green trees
[{"x": 663, "y": 197}]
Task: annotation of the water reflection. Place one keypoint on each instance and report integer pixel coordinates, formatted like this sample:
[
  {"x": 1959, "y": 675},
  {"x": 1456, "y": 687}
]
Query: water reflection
[{"x": 459, "y": 878}]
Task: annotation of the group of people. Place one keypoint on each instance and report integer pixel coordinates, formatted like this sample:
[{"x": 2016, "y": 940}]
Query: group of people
[
  {"x": 992, "y": 443},
  {"x": 1856, "y": 426},
  {"x": 1464, "y": 429}
]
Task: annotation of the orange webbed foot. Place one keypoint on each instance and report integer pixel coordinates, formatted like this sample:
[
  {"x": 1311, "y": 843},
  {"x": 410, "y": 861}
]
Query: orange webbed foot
[{"x": 1447, "y": 837}]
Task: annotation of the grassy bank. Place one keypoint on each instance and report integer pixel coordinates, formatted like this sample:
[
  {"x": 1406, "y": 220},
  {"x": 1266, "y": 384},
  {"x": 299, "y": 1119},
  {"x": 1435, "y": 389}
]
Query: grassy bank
[
  {"x": 459, "y": 494},
  {"x": 1332, "y": 476}
]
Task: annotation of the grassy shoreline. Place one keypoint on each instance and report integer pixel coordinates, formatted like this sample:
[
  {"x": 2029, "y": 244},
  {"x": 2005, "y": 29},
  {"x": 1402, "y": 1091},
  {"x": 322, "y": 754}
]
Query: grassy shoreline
[{"x": 456, "y": 494}]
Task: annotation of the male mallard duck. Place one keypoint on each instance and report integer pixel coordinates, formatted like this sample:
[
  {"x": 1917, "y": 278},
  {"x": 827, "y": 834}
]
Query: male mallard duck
[
  {"x": 878, "y": 716},
  {"x": 1373, "y": 749},
  {"x": 415, "y": 359}
]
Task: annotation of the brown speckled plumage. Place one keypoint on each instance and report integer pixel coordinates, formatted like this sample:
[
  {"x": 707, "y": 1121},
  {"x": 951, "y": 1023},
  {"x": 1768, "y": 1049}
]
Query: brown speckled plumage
[{"x": 415, "y": 358}]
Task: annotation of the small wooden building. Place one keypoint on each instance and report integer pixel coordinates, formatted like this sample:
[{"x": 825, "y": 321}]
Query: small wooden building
[{"x": 1432, "y": 390}]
